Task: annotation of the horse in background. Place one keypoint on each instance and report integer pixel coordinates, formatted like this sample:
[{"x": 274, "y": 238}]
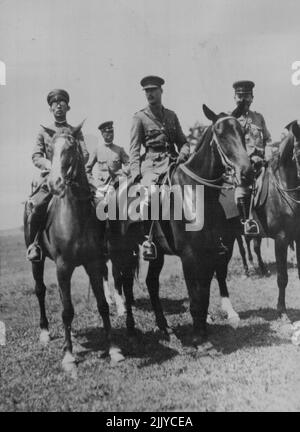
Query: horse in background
[
  {"x": 280, "y": 214},
  {"x": 72, "y": 237}
]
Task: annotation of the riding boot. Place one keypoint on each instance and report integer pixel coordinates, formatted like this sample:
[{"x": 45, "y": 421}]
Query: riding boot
[
  {"x": 149, "y": 249},
  {"x": 34, "y": 250},
  {"x": 251, "y": 228}
]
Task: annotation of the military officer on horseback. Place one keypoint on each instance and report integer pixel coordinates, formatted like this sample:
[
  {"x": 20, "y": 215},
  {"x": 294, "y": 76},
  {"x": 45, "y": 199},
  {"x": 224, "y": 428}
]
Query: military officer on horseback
[
  {"x": 157, "y": 129},
  {"x": 58, "y": 101},
  {"x": 257, "y": 138}
]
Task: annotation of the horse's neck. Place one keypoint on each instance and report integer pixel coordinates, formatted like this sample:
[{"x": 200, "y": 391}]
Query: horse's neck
[
  {"x": 77, "y": 197},
  {"x": 204, "y": 162},
  {"x": 287, "y": 166}
]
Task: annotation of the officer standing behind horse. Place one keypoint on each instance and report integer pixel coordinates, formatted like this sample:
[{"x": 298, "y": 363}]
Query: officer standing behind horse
[{"x": 58, "y": 101}]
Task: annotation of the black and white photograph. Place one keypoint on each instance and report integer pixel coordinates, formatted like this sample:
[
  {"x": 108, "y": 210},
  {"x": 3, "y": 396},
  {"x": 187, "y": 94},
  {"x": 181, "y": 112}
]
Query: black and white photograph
[{"x": 149, "y": 208}]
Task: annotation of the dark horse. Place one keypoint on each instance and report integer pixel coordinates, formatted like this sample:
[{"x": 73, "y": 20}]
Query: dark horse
[
  {"x": 72, "y": 237},
  {"x": 280, "y": 213},
  {"x": 222, "y": 146}
]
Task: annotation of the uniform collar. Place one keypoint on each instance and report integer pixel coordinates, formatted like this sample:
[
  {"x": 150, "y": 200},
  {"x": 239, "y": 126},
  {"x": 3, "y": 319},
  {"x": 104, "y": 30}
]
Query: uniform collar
[
  {"x": 61, "y": 124},
  {"x": 150, "y": 112}
]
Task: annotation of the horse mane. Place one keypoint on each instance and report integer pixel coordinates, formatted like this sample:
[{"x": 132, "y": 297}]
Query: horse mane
[{"x": 207, "y": 134}]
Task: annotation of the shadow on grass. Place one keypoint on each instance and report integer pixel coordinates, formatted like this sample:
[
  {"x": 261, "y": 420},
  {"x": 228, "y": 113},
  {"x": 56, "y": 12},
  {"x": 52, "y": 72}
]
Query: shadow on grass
[
  {"x": 271, "y": 266},
  {"x": 170, "y": 306},
  {"x": 144, "y": 345},
  {"x": 227, "y": 340},
  {"x": 269, "y": 314}
]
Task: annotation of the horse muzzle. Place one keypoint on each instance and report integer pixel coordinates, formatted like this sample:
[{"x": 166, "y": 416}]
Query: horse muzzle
[{"x": 57, "y": 187}]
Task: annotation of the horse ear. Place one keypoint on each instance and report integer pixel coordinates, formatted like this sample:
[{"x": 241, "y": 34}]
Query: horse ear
[
  {"x": 296, "y": 130},
  {"x": 77, "y": 129},
  {"x": 238, "y": 111},
  {"x": 50, "y": 132},
  {"x": 209, "y": 113}
]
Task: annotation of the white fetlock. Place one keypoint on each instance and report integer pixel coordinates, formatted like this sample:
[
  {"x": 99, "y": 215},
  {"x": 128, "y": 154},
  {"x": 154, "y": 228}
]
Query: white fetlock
[
  {"x": 234, "y": 321},
  {"x": 68, "y": 358},
  {"x": 107, "y": 293},
  {"x": 116, "y": 355},
  {"x": 209, "y": 319},
  {"x": 120, "y": 305},
  {"x": 232, "y": 316},
  {"x": 44, "y": 337},
  {"x": 69, "y": 365}
]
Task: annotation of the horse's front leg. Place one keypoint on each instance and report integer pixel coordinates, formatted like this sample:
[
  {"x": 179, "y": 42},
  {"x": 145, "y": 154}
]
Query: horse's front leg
[
  {"x": 298, "y": 255},
  {"x": 40, "y": 291},
  {"x": 152, "y": 282},
  {"x": 257, "y": 249},
  {"x": 94, "y": 270},
  {"x": 281, "y": 246},
  {"x": 198, "y": 274},
  {"x": 118, "y": 282},
  {"x": 226, "y": 306},
  {"x": 239, "y": 240},
  {"x": 64, "y": 273}
]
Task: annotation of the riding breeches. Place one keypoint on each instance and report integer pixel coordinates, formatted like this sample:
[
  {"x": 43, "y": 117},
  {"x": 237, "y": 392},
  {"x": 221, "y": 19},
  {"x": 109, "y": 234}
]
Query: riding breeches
[{"x": 37, "y": 208}]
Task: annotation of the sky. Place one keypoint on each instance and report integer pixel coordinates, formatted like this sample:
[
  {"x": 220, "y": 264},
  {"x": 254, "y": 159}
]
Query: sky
[{"x": 98, "y": 50}]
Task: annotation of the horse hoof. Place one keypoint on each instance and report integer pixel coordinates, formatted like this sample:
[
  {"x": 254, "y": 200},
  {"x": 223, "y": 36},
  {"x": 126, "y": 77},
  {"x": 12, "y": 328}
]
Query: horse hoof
[
  {"x": 116, "y": 355},
  {"x": 284, "y": 319},
  {"x": 209, "y": 319},
  {"x": 234, "y": 321},
  {"x": 44, "y": 337},
  {"x": 205, "y": 349},
  {"x": 266, "y": 273}
]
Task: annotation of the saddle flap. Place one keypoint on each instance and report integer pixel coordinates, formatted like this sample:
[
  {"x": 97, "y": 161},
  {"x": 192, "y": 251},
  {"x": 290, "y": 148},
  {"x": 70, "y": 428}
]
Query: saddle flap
[{"x": 262, "y": 188}]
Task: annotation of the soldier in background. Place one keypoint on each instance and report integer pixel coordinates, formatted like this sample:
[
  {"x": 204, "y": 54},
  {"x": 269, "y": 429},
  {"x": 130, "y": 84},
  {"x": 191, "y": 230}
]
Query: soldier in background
[{"x": 112, "y": 159}]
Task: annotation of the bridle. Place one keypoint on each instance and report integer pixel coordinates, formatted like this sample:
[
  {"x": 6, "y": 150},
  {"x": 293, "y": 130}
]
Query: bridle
[
  {"x": 70, "y": 178},
  {"x": 226, "y": 162}
]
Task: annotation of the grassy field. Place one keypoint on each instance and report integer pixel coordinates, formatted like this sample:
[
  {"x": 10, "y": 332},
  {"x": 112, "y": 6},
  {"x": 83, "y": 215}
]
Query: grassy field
[{"x": 258, "y": 368}]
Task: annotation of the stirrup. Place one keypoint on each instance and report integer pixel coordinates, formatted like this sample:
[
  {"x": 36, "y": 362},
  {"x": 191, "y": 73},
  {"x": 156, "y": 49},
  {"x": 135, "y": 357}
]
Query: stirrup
[
  {"x": 39, "y": 253},
  {"x": 251, "y": 228},
  {"x": 149, "y": 250}
]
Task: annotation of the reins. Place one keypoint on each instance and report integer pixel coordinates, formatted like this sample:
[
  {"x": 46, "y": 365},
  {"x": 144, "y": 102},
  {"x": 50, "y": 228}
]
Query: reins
[{"x": 224, "y": 158}]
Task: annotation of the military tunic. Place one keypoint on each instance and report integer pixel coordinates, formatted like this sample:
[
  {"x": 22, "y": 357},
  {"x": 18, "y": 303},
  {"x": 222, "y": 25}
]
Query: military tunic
[
  {"x": 43, "y": 150},
  {"x": 158, "y": 136},
  {"x": 110, "y": 158},
  {"x": 257, "y": 135}
]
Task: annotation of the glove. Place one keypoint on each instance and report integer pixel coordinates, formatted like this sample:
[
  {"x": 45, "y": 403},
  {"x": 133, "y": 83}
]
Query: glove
[{"x": 181, "y": 159}]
